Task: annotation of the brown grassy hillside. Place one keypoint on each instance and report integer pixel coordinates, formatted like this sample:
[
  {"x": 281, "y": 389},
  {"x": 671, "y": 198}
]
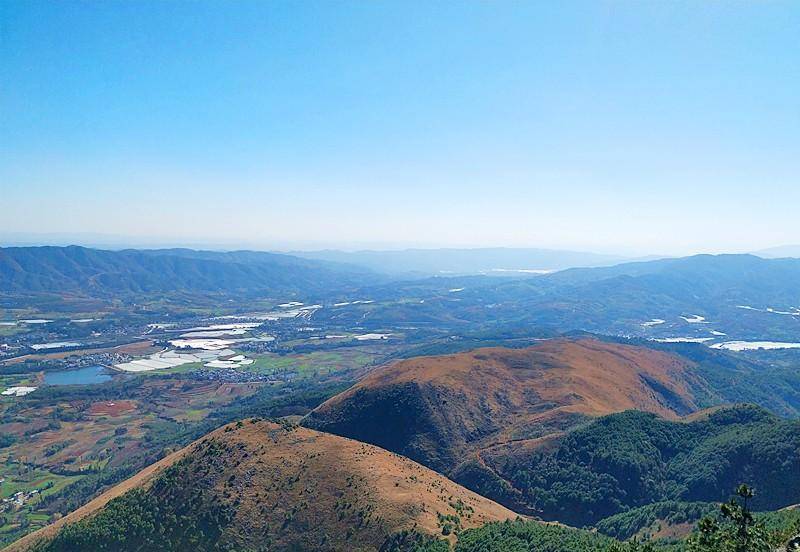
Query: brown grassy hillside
[
  {"x": 259, "y": 484},
  {"x": 443, "y": 410}
]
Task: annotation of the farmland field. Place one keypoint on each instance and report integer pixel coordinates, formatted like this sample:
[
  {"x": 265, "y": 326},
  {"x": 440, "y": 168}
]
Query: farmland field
[
  {"x": 315, "y": 363},
  {"x": 64, "y": 443}
]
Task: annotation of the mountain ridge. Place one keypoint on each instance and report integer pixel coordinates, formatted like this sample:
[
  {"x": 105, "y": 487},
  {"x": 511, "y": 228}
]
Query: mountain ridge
[
  {"x": 95, "y": 272},
  {"x": 479, "y": 260},
  {"x": 435, "y": 410},
  {"x": 262, "y": 484},
  {"x": 486, "y": 418}
]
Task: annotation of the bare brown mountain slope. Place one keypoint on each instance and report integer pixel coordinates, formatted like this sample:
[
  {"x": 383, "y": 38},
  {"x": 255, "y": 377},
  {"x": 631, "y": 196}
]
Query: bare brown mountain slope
[
  {"x": 276, "y": 487},
  {"x": 441, "y": 411}
]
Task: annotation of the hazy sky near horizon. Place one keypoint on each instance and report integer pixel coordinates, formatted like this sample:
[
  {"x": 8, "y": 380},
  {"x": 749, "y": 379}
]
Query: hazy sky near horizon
[{"x": 647, "y": 127}]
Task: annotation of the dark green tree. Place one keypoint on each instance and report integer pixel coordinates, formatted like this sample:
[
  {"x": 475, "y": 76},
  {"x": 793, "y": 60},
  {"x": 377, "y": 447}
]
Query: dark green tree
[{"x": 736, "y": 530}]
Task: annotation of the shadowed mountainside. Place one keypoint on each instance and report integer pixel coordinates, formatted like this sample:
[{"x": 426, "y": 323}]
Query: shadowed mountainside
[{"x": 634, "y": 459}]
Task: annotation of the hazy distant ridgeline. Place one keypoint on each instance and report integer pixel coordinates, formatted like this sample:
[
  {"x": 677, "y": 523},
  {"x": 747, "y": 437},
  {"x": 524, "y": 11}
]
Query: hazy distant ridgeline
[
  {"x": 612, "y": 300},
  {"x": 700, "y": 277},
  {"x": 618, "y": 299},
  {"x": 496, "y": 260},
  {"x": 716, "y": 272},
  {"x": 714, "y": 286},
  {"x": 95, "y": 272}
]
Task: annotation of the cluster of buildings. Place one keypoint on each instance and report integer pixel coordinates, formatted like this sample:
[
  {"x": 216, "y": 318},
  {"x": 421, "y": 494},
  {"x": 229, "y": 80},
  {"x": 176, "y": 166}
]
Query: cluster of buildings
[{"x": 17, "y": 500}]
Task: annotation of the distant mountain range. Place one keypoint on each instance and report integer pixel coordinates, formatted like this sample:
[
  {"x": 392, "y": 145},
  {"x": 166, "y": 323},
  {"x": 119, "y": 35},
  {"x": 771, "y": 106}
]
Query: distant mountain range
[
  {"x": 699, "y": 297},
  {"x": 740, "y": 295},
  {"x": 491, "y": 261},
  {"x": 100, "y": 273},
  {"x": 779, "y": 252}
]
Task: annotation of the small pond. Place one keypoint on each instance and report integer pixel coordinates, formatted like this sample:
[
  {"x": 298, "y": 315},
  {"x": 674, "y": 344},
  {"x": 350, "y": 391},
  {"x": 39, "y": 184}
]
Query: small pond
[{"x": 81, "y": 376}]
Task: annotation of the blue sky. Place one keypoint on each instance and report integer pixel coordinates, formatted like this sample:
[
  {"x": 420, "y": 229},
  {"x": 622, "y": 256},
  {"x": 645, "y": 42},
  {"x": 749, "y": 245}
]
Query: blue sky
[{"x": 640, "y": 127}]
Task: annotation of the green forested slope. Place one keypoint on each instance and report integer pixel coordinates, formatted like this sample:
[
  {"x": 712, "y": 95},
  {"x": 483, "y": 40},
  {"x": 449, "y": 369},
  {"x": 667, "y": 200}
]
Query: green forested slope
[{"x": 632, "y": 459}]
